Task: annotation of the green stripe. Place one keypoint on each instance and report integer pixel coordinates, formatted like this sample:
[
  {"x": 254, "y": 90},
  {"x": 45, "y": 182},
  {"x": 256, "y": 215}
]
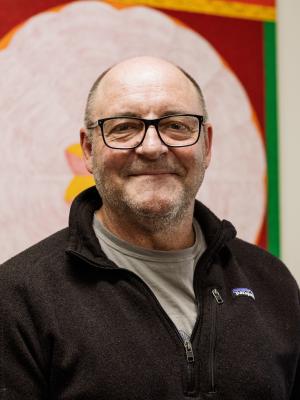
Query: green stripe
[{"x": 273, "y": 234}]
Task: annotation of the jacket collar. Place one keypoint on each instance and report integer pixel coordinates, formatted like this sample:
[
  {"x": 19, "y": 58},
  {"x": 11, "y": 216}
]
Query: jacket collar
[{"x": 84, "y": 244}]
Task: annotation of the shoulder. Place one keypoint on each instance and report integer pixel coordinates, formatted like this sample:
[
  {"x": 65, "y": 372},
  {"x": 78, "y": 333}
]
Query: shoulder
[
  {"x": 36, "y": 260},
  {"x": 254, "y": 255},
  {"x": 264, "y": 269},
  {"x": 29, "y": 295}
]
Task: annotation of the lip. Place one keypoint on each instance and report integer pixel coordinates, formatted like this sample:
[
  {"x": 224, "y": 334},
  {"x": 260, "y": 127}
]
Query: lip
[{"x": 156, "y": 173}]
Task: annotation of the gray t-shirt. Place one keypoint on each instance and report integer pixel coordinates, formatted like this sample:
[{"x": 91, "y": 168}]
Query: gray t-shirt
[{"x": 169, "y": 274}]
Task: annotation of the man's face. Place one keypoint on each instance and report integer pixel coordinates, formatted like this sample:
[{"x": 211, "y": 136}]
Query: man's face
[{"x": 151, "y": 180}]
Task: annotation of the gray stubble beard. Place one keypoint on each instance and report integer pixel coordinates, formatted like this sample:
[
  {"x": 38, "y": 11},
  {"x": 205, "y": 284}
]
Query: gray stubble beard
[{"x": 118, "y": 203}]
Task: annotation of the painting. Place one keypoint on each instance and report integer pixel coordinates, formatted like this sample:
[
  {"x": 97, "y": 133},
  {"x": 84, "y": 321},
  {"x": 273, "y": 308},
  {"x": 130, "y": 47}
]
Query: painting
[{"x": 50, "y": 54}]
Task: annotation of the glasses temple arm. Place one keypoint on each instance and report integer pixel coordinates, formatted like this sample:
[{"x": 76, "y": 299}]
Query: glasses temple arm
[{"x": 92, "y": 126}]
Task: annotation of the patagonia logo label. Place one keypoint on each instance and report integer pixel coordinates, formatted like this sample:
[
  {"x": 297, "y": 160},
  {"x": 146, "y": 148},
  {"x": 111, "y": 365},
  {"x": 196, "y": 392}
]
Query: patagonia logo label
[{"x": 243, "y": 292}]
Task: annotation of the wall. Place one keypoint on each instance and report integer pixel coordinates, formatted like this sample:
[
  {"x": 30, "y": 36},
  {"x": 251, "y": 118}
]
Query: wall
[{"x": 289, "y": 123}]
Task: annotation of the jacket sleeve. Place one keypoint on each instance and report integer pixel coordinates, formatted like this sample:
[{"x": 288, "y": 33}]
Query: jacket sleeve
[
  {"x": 296, "y": 388},
  {"x": 22, "y": 348}
]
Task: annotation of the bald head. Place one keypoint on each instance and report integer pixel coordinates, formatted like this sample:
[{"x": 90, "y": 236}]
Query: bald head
[{"x": 138, "y": 71}]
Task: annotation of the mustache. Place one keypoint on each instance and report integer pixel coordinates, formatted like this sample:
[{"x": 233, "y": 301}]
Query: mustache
[{"x": 140, "y": 167}]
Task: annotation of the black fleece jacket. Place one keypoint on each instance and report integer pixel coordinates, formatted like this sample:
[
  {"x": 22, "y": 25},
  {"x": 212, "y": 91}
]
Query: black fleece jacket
[{"x": 76, "y": 326}]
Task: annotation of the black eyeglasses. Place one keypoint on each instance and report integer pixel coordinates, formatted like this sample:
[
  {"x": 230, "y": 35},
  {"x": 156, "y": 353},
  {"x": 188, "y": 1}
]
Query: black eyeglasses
[{"x": 179, "y": 130}]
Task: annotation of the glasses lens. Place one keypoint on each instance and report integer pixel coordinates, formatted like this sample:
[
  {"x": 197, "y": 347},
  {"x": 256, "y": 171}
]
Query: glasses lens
[
  {"x": 123, "y": 132},
  {"x": 179, "y": 130}
]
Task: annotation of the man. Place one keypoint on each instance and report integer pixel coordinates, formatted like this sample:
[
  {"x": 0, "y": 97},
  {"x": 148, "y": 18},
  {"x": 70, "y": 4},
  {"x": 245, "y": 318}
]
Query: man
[{"x": 147, "y": 294}]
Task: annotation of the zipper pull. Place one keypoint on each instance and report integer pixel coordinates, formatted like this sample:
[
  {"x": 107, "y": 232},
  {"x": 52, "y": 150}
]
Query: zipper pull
[
  {"x": 189, "y": 351},
  {"x": 217, "y": 296}
]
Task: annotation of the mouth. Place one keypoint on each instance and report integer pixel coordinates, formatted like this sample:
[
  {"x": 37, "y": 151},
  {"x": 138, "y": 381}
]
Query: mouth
[{"x": 153, "y": 173}]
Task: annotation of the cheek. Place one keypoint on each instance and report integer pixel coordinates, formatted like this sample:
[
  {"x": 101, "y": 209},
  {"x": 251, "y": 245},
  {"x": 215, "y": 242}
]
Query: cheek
[
  {"x": 110, "y": 161},
  {"x": 189, "y": 157}
]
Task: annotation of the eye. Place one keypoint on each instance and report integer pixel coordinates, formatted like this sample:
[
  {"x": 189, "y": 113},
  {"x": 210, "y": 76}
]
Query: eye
[
  {"x": 124, "y": 127},
  {"x": 119, "y": 128},
  {"x": 176, "y": 126}
]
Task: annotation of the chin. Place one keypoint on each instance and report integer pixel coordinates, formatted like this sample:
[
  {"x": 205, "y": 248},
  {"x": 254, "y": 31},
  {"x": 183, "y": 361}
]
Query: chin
[
  {"x": 158, "y": 216},
  {"x": 154, "y": 201},
  {"x": 156, "y": 208}
]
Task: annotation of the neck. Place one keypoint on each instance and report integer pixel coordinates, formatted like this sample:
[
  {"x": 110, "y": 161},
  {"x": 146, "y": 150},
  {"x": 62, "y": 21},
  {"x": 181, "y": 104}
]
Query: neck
[{"x": 151, "y": 233}]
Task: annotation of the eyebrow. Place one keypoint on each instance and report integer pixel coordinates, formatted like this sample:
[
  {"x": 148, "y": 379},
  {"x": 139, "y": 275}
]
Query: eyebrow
[{"x": 137, "y": 115}]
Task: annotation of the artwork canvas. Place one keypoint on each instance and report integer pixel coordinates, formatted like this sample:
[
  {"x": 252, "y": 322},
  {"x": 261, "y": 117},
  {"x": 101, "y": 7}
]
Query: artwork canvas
[{"x": 52, "y": 51}]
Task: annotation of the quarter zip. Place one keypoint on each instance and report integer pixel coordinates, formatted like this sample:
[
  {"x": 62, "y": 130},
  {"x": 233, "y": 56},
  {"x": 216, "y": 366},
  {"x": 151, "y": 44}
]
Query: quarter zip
[
  {"x": 189, "y": 355},
  {"x": 189, "y": 351},
  {"x": 190, "y": 358},
  {"x": 216, "y": 301},
  {"x": 217, "y": 296}
]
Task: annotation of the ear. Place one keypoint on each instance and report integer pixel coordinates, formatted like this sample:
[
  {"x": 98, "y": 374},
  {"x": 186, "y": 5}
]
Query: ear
[
  {"x": 86, "y": 146},
  {"x": 208, "y": 135}
]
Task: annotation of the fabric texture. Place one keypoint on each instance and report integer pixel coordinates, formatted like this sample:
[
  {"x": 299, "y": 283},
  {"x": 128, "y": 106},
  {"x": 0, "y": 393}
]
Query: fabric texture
[
  {"x": 169, "y": 274},
  {"x": 76, "y": 326}
]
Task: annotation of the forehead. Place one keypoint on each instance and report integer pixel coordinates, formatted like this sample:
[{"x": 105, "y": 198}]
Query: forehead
[{"x": 145, "y": 89}]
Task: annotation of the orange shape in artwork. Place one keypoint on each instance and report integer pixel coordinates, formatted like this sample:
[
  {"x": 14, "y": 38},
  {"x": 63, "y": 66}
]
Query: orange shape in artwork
[{"x": 82, "y": 178}]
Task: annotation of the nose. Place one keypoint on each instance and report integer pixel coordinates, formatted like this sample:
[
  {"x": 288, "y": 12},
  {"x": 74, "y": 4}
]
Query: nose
[{"x": 151, "y": 147}]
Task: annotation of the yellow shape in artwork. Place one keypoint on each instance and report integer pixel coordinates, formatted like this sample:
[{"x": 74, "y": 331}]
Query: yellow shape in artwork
[
  {"x": 82, "y": 179},
  {"x": 75, "y": 149},
  {"x": 233, "y": 9},
  {"x": 77, "y": 185}
]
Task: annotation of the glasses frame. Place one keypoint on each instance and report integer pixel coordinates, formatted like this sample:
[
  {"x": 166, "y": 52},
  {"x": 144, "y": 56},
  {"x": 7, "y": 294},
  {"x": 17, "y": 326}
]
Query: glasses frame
[{"x": 148, "y": 122}]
